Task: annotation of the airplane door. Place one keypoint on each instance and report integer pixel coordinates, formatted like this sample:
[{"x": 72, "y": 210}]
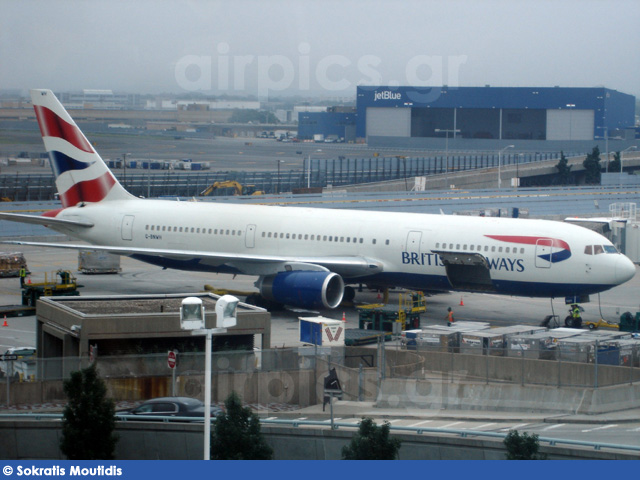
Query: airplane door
[
  {"x": 413, "y": 242},
  {"x": 250, "y": 236},
  {"x": 127, "y": 227},
  {"x": 544, "y": 249}
]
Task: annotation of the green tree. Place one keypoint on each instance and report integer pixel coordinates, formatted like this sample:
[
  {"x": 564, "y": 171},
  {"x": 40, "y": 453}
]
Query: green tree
[
  {"x": 236, "y": 434},
  {"x": 564, "y": 169},
  {"x": 592, "y": 166},
  {"x": 88, "y": 423},
  {"x": 372, "y": 442},
  {"x": 615, "y": 165},
  {"x": 523, "y": 446}
]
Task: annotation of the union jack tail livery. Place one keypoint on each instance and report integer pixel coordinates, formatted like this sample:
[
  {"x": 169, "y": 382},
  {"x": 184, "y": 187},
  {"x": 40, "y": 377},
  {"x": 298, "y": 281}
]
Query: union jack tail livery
[{"x": 81, "y": 175}]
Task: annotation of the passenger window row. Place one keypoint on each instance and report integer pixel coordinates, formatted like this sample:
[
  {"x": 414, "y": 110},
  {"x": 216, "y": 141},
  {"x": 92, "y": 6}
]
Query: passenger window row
[
  {"x": 209, "y": 231},
  {"x": 286, "y": 236},
  {"x": 318, "y": 238},
  {"x": 479, "y": 248}
]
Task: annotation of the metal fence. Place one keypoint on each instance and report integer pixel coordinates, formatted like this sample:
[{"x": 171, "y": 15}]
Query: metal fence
[
  {"x": 296, "y": 375},
  {"x": 317, "y": 173},
  {"x": 574, "y": 362}
]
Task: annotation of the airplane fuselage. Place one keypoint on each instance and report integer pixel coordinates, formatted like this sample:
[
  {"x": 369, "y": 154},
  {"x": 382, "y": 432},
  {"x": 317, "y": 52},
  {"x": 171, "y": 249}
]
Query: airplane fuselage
[{"x": 524, "y": 257}]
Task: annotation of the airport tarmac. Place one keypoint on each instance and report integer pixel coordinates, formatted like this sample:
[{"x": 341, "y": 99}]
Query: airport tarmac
[{"x": 140, "y": 278}]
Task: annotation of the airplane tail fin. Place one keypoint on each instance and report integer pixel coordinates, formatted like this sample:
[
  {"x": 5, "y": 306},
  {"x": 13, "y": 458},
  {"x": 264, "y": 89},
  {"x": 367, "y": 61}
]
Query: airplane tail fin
[{"x": 81, "y": 175}]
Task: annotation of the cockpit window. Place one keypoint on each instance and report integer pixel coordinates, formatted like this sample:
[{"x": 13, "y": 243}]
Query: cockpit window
[{"x": 598, "y": 249}]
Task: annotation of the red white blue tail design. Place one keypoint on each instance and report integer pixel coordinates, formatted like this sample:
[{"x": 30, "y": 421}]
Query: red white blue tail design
[{"x": 81, "y": 175}]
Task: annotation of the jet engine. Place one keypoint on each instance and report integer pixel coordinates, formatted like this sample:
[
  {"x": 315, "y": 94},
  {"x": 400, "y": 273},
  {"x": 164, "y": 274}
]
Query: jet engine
[{"x": 304, "y": 289}]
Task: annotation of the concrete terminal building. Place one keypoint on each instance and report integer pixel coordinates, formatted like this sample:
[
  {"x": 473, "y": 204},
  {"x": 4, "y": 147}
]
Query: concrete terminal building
[{"x": 488, "y": 118}]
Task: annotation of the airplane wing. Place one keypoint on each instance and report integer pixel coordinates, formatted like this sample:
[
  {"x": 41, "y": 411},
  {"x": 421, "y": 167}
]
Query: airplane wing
[
  {"x": 40, "y": 220},
  {"x": 348, "y": 266}
]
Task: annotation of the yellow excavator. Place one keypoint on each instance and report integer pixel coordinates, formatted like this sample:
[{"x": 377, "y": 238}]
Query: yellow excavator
[{"x": 238, "y": 189}]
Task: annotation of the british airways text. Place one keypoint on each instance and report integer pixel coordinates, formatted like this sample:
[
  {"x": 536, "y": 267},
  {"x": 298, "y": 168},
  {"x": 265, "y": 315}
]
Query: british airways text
[{"x": 433, "y": 259}]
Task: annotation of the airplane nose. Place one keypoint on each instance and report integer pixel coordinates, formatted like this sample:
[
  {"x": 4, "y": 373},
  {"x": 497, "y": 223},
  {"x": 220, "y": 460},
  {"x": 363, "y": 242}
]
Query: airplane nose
[{"x": 625, "y": 270}]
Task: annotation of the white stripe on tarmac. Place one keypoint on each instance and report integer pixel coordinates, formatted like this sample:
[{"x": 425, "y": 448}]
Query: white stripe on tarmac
[
  {"x": 271, "y": 418},
  {"x": 482, "y": 426},
  {"x": 448, "y": 425},
  {"x": 604, "y": 427},
  {"x": 421, "y": 423},
  {"x": 514, "y": 427},
  {"x": 335, "y": 419},
  {"x": 551, "y": 427}
]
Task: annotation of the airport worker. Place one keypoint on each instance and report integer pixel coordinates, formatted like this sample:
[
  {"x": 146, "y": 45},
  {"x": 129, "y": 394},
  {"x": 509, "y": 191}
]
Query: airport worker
[
  {"x": 449, "y": 317},
  {"x": 575, "y": 313},
  {"x": 23, "y": 273}
]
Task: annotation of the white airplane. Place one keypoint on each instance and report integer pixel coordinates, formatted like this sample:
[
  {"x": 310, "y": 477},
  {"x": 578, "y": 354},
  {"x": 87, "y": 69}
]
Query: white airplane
[{"x": 304, "y": 257}]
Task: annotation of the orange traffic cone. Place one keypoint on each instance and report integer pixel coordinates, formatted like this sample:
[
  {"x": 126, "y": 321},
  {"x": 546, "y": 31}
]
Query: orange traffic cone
[
  {"x": 378, "y": 297},
  {"x": 5, "y": 324},
  {"x": 344, "y": 318},
  {"x": 461, "y": 302},
  {"x": 29, "y": 279}
]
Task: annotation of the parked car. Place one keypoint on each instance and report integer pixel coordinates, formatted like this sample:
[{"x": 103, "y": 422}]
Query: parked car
[{"x": 172, "y": 407}]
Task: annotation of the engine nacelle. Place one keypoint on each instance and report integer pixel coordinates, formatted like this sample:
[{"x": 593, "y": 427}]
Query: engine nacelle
[{"x": 304, "y": 289}]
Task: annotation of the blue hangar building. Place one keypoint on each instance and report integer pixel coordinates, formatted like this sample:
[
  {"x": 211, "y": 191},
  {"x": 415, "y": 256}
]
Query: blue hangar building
[{"x": 477, "y": 118}]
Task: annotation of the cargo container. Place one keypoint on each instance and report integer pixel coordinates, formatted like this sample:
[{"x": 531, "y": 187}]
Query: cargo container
[
  {"x": 629, "y": 351},
  {"x": 438, "y": 340},
  {"x": 538, "y": 346},
  {"x": 483, "y": 342},
  {"x": 576, "y": 349},
  {"x": 94, "y": 261},
  {"x": 11, "y": 263},
  {"x": 321, "y": 331}
]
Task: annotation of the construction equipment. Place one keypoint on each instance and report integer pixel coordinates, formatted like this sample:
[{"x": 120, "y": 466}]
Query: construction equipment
[
  {"x": 237, "y": 187},
  {"x": 66, "y": 285}
]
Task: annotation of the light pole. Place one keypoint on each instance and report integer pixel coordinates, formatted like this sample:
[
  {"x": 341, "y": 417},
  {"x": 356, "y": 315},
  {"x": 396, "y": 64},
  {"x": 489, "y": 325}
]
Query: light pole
[
  {"x": 570, "y": 106},
  {"x": 606, "y": 142},
  {"x": 278, "y": 185},
  {"x": 446, "y": 149},
  {"x": 192, "y": 318},
  {"x": 500, "y": 163},
  {"x": 520, "y": 157},
  {"x": 632, "y": 147},
  {"x": 124, "y": 169}
]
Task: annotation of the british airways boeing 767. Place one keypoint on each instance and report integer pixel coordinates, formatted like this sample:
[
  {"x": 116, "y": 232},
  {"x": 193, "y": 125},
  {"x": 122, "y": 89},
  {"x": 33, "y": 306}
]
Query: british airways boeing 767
[{"x": 303, "y": 256}]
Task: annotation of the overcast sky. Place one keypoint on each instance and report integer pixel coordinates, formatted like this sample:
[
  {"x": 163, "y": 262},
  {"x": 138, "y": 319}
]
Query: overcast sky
[{"x": 326, "y": 47}]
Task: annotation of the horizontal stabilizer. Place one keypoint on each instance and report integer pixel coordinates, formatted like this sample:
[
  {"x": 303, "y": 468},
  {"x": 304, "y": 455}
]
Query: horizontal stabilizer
[{"x": 40, "y": 220}]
